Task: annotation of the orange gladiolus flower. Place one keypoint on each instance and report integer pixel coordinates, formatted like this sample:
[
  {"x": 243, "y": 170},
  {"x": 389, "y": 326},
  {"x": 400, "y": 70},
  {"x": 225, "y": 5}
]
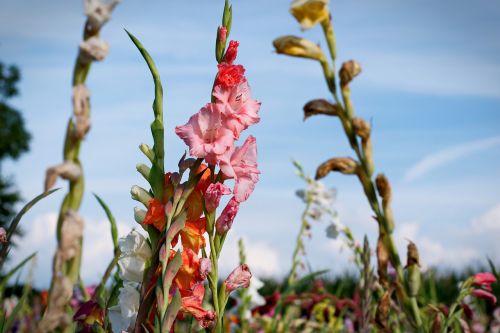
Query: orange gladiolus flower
[
  {"x": 189, "y": 273},
  {"x": 155, "y": 214},
  {"x": 192, "y": 234}
]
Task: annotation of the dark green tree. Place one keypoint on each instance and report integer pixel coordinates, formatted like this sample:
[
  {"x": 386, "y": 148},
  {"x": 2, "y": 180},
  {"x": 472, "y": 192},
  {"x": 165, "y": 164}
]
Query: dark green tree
[{"x": 14, "y": 140}]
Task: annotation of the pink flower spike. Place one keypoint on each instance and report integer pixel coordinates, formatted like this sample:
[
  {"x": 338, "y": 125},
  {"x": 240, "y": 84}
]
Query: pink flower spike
[
  {"x": 226, "y": 218},
  {"x": 222, "y": 34},
  {"x": 484, "y": 279},
  {"x": 205, "y": 135},
  {"x": 480, "y": 293},
  {"x": 242, "y": 166},
  {"x": 239, "y": 278},
  {"x": 231, "y": 52},
  {"x": 213, "y": 195},
  {"x": 239, "y": 109}
]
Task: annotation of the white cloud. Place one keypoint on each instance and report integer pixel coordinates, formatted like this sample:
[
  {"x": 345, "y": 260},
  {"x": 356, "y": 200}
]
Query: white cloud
[
  {"x": 443, "y": 157},
  {"x": 488, "y": 222}
]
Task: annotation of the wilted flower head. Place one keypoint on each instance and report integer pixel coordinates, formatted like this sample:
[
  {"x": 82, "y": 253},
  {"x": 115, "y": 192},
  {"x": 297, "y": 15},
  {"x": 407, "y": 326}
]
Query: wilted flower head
[
  {"x": 123, "y": 315},
  {"x": 309, "y": 12},
  {"x": 93, "y": 49},
  {"x": 71, "y": 233},
  {"x": 239, "y": 278},
  {"x": 98, "y": 12},
  {"x": 134, "y": 253},
  {"x": 298, "y": 47},
  {"x": 68, "y": 170}
]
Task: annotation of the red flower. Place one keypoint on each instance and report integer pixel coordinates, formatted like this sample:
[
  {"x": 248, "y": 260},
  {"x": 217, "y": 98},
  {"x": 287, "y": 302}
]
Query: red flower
[
  {"x": 231, "y": 53},
  {"x": 230, "y": 75},
  {"x": 155, "y": 214}
]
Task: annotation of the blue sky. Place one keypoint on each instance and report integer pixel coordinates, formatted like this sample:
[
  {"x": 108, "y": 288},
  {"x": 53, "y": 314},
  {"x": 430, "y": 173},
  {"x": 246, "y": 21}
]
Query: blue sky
[{"x": 430, "y": 86}]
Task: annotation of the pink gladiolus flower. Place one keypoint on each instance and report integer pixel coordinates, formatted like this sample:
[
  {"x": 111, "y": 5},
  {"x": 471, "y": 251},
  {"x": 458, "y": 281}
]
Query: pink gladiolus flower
[
  {"x": 226, "y": 218},
  {"x": 205, "y": 135},
  {"x": 241, "y": 164},
  {"x": 205, "y": 267},
  {"x": 239, "y": 278},
  {"x": 231, "y": 53},
  {"x": 480, "y": 293},
  {"x": 213, "y": 195},
  {"x": 484, "y": 280},
  {"x": 239, "y": 109}
]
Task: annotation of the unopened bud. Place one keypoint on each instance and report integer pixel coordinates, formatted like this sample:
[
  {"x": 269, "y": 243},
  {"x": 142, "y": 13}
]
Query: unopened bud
[
  {"x": 413, "y": 273},
  {"x": 146, "y": 150},
  {"x": 345, "y": 165},
  {"x": 320, "y": 106},
  {"x": 140, "y": 194},
  {"x": 144, "y": 170},
  {"x": 349, "y": 71},
  {"x": 385, "y": 192},
  {"x": 298, "y": 47},
  {"x": 139, "y": 215},
  {"x": 239, "y": 278}
]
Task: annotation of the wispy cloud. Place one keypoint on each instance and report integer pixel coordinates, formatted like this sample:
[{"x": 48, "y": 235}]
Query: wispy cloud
[{"x": 443, "y": 157}]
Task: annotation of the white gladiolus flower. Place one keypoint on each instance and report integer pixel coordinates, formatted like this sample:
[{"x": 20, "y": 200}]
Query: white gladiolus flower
[
  {"x": 123, "y": 315},
  {"x": 99, "y": 12},
  {"x": 134, "y": 253},
  {"x": 256, "y": 299}
]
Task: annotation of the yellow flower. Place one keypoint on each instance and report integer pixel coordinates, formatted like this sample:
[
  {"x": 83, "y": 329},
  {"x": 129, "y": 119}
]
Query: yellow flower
[
  {"x": 309, "y": 12},
  {"x": 298, "y": 47}
]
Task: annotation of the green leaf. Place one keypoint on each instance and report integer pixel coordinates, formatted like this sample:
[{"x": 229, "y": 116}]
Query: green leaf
[
  {"x": 492, "y": 267},
  {"x": 13, "y": 271},
  {"x": 112, "y": 221}
]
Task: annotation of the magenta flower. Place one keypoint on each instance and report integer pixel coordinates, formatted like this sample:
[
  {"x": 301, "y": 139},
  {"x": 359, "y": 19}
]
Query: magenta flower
[
  {"x": 213, "y": 195},
  {"x": 205, "y": 135},
  {"x": 226, "y": 218},
  {"x": 484, "y": 280},
  {"x": 241, "y": 164},
  {"x": 480, "y": 293},
  {"x": 239, "y": 278},
  {"x": 239, "y": 109}
]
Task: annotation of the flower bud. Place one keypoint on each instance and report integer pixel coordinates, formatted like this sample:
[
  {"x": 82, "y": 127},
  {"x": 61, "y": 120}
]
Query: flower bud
[
  {"x": 226, "y": 218},
  {"x": 345, "y": 165},
  {"x": 385, "y": 191},
  {"x": 231, "y": 52},
  {"x": 412, "y": 265},
  {"x": 140, "y": 194},
  {"x": 239, "y": 278},
  {"x": 298, "y": 47},
  {"x": 144, "y": 170},
  {"x": 349, "y": 71},
  {"x": 320, "y": 106},
  {"x": 310, "y": 12},
  {"x": 139, "y": 215},
  {"x": 93, "y": 49},
  {"x": 146, "y": 150}
]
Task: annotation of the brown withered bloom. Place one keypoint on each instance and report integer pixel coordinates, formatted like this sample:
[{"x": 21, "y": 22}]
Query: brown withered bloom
[
  {"x": 361, "y": 128},
  {"x": 349, "y": 71},
  {"x": 412, "y": 255},
  {"x": 71, "y": 233},
  {"x": 320, "y": 106},
  {"x": 298, "y": 47},
  {"x": 345, "y": 165},
  {"x": 382, "y": 314},
  {"x": 382, "y": 262},
  {"x": 68, "y": 170}
]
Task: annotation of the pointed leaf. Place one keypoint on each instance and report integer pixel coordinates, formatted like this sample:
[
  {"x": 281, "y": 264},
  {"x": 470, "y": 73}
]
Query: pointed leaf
[{"x": 172, "y": 310}]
